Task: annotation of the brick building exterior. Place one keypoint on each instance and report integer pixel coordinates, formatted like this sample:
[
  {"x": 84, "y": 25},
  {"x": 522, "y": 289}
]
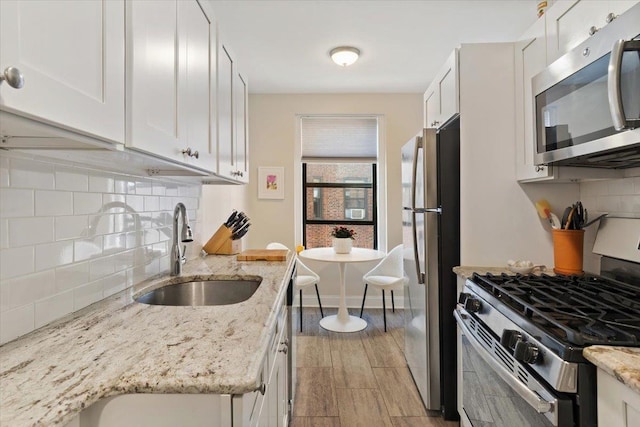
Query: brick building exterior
[{"x": 351, "y": 204}]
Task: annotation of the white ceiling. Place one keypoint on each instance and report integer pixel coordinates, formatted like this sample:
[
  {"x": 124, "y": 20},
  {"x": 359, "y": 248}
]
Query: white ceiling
[{"x": 283, "y": 46}]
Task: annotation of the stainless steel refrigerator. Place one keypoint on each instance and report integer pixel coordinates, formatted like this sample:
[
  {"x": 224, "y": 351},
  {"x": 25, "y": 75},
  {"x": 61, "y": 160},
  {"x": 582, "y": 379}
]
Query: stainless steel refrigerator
[{"x": 431, "y": 238}]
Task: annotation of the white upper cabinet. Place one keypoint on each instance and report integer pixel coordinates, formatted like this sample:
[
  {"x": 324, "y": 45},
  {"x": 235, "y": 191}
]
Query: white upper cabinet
[
  {"x": 531, "y": 58},
  {"x": 170, "y": 83},
  {"x": 233, "y": 144},
  {"x": 72, "y": 57},
  {"x": 570, "y": 22},
  {"x": 441, "y": 100}
]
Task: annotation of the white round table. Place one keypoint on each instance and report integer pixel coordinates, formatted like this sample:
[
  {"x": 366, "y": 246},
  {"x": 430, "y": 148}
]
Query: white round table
[{"x": 342, "y": 322}]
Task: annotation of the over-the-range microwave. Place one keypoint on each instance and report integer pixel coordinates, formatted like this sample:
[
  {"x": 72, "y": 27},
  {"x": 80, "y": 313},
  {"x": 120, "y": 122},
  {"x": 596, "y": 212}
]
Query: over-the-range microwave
[{"x": 587, "y": 103}]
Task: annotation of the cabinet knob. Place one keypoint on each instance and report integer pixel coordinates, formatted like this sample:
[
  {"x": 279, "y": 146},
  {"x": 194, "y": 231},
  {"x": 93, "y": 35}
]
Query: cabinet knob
[
  {"x": 539, "y": 168},
  {"x": 610, "y": 17},
  {"x": 593, "y": 30},
  {"x": 190, "y": 153},
  {"x": 262, "y": 388},
  {"x": 284, "y": 349},
  {"x": 13, "y": 76}
]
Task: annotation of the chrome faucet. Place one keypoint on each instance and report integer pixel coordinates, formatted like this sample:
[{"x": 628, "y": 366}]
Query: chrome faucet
[{"x": 177, "y": 256}]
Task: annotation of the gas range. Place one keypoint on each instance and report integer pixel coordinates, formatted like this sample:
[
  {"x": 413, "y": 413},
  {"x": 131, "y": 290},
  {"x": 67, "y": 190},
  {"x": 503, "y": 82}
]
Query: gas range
[{"x": 529, "y": 332}]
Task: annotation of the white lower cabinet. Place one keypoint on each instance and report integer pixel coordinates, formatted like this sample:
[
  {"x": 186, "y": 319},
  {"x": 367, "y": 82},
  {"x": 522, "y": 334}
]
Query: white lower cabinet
[{"x": 618, "y": 405}]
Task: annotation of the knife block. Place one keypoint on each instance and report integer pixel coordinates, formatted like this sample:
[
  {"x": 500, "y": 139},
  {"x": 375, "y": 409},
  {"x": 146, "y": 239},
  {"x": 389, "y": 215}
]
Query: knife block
[{"x": 222, "y": 244}]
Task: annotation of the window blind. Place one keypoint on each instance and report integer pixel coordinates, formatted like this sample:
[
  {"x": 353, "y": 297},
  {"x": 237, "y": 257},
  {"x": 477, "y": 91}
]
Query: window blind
[{"x": 335, "y": 137}]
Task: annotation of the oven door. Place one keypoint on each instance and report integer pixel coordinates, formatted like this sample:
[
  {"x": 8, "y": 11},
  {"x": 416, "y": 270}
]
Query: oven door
[{"x": 499, "y": 391}]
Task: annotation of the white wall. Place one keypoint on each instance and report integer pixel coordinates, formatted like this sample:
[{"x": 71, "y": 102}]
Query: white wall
[
  {"x": 70, "y": 236},
  {"x": 498, "y": 216},
  {"x": 272, "y": 134}
]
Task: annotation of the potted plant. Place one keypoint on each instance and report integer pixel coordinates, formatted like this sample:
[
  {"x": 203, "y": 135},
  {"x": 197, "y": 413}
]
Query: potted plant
[{"x": 342, "y": 239}]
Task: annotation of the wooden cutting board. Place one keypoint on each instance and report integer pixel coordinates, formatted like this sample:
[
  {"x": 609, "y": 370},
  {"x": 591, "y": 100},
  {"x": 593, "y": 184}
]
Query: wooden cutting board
[{"x": 263, "y": 255}]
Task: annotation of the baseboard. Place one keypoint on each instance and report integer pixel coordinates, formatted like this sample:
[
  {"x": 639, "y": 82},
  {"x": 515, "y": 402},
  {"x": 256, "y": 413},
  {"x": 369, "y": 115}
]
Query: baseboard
[{"x": 352, "y": 301}]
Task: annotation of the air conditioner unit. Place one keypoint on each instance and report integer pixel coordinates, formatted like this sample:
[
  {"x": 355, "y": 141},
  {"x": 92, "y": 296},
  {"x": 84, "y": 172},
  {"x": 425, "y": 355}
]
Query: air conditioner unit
[{"x": 355, "y": 213}]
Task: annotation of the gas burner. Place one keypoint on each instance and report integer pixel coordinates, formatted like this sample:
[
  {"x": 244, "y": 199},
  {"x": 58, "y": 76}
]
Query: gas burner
[{"x": 577, "y": 310}]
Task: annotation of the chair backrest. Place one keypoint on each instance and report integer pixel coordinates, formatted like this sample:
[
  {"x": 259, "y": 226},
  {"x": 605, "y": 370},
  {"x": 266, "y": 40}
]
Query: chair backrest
[
  {"x": 276, "y": 245},
  {"x": 391, "y": 265}
]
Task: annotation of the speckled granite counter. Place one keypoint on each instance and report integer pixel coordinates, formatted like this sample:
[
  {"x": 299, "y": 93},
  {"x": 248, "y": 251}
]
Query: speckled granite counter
[
  {"x": 623, "y": 363},
  {"x": 118, "y": 346}
]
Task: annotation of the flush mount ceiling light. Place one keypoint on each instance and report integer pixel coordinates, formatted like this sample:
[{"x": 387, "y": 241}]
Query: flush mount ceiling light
[{"x": 344, "y": 55}]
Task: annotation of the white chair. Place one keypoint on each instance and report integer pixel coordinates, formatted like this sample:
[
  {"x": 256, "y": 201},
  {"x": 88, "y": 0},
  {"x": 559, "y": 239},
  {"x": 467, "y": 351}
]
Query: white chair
[
  {"x": 304, "y": 277},
  {"x": 387, "y": 275}
]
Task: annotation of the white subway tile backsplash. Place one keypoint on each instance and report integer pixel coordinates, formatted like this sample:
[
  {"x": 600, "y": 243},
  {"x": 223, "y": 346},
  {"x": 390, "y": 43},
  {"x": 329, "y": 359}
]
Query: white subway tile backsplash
[
  {"x": 52, "y": 308},
  {"x": 87, "y": 295},
  {"x": 54, "y": 203},
  {"x": 30, "y": 288},
  {"x": 16, "y": 262},
  {"x": 101, "y": 184},
  {"x": 114, "y": 283},
  {"x": 30, "y": 174},
  {"x": 16, "y": 202},
  {"x": 30, "y": 231},
  {"x": 87, "y": 248},
  {"x": 621, "y": 187},
  {"x": 151, "y": 203},
  {"x": 16, "y": 322},
  {"x": 53, "y": 255},
  {"x": 71, "y": 227},
  {"x": 135, "y": 203},
  {"x": 87, "y": 203},
  {"x": 71, "y": 179},
  {"x": 4, "y": 233},
  {"x": 72, "y": 276},
  {"x": 4, "y": 172},
  {"x": 70, "y": 236},
  {"x": 144, "y": 187}
]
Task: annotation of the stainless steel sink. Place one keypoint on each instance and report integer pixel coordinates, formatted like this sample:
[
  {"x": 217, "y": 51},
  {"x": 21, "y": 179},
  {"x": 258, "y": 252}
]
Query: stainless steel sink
[{"x": 207, "y": 292}]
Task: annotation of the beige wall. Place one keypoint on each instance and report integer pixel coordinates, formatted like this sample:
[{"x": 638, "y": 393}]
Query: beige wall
[
  {"x": 272, "y": 136},
  {"x": 272, "y": 132}
]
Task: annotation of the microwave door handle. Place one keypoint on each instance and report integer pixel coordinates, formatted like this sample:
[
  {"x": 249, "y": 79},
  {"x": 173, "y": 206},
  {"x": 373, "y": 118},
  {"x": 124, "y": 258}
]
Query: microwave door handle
[
  {"x": 613, "y": 86},
  {"x": 531, "y": 397}
]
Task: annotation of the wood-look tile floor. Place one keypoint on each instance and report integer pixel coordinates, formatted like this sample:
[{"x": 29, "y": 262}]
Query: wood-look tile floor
[{"x": 356, "y": 379}]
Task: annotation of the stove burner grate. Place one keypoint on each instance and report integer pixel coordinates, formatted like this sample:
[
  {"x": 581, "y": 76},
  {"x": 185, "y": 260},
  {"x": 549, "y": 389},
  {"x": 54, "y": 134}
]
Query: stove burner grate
[{"x": 583, "y": 310}]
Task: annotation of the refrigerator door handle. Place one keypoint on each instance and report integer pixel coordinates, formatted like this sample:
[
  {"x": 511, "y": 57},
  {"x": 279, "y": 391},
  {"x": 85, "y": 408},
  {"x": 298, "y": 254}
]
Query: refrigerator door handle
[
  {"x": 428, "y": 210},
  {"x": 415, "y": 249},
  {"x": 414, "y": 172}
]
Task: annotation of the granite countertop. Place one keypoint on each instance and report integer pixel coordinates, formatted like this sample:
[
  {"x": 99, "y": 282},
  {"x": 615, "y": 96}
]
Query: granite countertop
[
  {"x": 623, "y": 363},
  {"x": 118, "y": 346}
]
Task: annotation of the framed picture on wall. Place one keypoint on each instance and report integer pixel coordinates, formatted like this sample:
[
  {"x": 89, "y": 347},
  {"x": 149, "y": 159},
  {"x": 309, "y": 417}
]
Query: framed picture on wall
[{"x": 270, "y": 183}]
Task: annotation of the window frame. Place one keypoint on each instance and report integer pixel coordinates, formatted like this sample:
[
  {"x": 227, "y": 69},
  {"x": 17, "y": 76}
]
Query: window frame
[{"x": 373, "y": 186}]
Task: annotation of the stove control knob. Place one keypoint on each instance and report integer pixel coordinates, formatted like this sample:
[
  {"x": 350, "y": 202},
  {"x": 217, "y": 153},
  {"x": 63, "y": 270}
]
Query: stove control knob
[
  {"x": 463, "y": 297},
  {"x": 526, "y": 352},
  {"x": 510, "y": 338},
  {"x": 472, "y": 305}
]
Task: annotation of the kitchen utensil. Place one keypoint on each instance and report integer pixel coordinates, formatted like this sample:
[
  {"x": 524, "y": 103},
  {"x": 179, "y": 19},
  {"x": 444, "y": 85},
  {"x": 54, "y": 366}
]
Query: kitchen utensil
[
  {"x": 544, "y": 210},
  {"x": 263, "y": 255},
  {"x": 594, "y": 220},
  {"x": 565, "y": 217},
  {"x": 231, "y": 218},
  {"x": 570, "y": 217}
]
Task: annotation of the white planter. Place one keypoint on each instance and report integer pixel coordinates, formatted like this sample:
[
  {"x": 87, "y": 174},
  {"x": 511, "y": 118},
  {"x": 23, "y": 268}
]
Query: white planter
[{"x": 342, "y": 246}]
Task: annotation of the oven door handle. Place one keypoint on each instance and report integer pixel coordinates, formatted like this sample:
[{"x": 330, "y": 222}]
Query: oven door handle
[{"x": 530, "y": 396}]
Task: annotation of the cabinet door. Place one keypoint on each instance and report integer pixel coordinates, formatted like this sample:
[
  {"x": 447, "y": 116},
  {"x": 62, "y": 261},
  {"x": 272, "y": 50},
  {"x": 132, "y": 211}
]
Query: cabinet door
[
  {"x": 226, "y": 151},
  {"x": 569, "y": 22},
  {"x": 169, "y": 81},
  {"x": 431, "y": 107},
  {"x": 448, "y": 88},
  {"x": 71, "y": 55},
  {"x": 530, "y": 60},
  {"x": 241, "y": 128}
]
